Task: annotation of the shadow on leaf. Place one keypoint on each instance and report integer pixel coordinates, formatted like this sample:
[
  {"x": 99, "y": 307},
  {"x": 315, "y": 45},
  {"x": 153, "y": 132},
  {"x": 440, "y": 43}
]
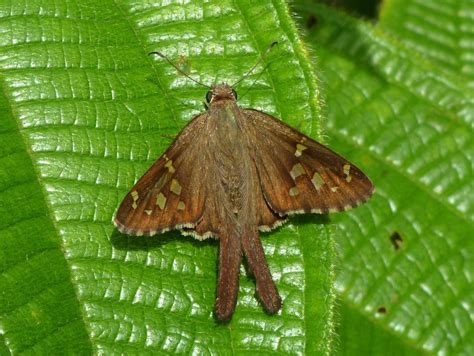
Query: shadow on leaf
[{"x": 128, "y": 242}]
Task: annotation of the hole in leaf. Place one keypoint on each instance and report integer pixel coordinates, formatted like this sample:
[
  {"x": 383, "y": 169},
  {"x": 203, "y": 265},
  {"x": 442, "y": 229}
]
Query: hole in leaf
[
  {"x": 396, "y": 240},
  {"x": 311, "y": 21}
]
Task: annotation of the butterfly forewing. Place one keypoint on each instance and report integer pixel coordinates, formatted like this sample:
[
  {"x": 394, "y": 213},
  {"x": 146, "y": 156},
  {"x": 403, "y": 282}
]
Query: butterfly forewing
[
  {"x": 299, "y": 175},
  {"x": 162, "y": 199}
]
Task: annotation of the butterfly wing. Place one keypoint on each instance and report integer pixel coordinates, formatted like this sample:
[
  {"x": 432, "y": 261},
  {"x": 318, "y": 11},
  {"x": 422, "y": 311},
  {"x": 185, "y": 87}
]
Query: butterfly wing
[
  {"x": 298, "y": 174},
  {"x": 162, "y": 200}
]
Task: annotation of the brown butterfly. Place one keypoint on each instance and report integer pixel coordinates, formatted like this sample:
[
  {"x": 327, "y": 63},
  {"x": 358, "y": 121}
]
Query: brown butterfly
[{"x": 231, "y": 173}]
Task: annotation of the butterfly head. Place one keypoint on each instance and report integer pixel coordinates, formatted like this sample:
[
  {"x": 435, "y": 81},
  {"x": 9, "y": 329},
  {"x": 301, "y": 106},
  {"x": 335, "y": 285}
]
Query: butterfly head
[{"x": 221, "y": 92}]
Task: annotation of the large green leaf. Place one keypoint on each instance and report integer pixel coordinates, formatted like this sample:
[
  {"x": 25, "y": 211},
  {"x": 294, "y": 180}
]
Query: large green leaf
[
  {"x": 84, "y": 111},
  {"x": 441, "y": 31},
  {"x": 407, "y": 258}
]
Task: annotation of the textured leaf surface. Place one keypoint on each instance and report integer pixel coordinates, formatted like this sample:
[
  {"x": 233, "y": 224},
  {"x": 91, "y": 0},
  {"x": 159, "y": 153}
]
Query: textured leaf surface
[
  {"x": 441, "y": 31},
  {"x": 357, "y": 335},
  {"x": 84, "y": 111},
  {"x": 408, "y": 257},
  {"x": 37, "y": 299}
]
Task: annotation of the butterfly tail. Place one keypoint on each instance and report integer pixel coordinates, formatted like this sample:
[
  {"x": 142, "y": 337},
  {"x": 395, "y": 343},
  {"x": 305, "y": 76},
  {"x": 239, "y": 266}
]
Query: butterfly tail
[
  {"x": 230, "y": 257},
  {"x": 254, "y": 254}
]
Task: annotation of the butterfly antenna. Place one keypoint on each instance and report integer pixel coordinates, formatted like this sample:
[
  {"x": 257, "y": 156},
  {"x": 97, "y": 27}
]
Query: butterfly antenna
[
  {"x": 256, "y": 64},
  {"x": 178, "y": 69},
  {"x": 251, "y": 85}
]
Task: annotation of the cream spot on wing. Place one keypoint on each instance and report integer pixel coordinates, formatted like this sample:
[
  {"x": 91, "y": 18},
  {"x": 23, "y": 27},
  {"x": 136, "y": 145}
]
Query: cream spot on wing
[
  {"x": 346, "y": 169},
  {"x": 297, "y": 170},
  {"x": 294, "y": 191},
  {"x": 169, "y": 165},
  {"x": 134, "y": 195},
  {"x": 175, "y": 187},
  {"x": 148, "y": 212},
  {"x": 334, "y": 189},
  {"x": 293, "y": 212},
  {"x": 181, "y": 205},
  {"x": 299, "y": 149},
  {"x": 317, "y": 180},
  {"x": 161, "y": 201}
]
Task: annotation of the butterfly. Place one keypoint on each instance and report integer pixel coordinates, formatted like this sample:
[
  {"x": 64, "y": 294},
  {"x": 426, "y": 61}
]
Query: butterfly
[{"x": 231, "y": 173}]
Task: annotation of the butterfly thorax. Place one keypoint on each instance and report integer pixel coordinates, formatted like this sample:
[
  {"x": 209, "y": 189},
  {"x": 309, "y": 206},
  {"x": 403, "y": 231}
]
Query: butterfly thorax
[{"x": 230, "y": 150}]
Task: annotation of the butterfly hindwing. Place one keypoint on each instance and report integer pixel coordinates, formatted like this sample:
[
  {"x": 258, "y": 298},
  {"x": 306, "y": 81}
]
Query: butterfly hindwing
[
  {"x": 161, "y": 200},
  {"x": 298, "y": 174}
]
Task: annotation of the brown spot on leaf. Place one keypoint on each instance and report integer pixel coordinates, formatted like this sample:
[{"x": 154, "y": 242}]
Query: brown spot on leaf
[
  {"x": 396, "y": 240},
  {"x": 382, "y": 310},
  {"x": 311, "y": 21}
]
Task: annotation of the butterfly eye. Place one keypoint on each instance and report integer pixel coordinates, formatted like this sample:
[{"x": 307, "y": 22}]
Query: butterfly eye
[
  {"x": 234, "y": 93},
  {"x": 209, "y": 96}
]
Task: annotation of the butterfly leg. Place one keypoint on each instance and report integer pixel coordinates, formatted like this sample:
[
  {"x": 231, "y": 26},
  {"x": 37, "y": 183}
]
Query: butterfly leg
[
  {"x": 266, "y": 289},
  {"x": 230, "y": 257}
]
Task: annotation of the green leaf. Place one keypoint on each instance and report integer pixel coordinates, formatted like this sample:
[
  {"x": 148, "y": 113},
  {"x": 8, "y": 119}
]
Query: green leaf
[
  {"x": 84, "y": 111},
  {"x": 408, "y": 121},
  {"x": 359, "y": 336},
  {"x": 38, "y": 306},
  {"x": 441, "y": 31}
]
